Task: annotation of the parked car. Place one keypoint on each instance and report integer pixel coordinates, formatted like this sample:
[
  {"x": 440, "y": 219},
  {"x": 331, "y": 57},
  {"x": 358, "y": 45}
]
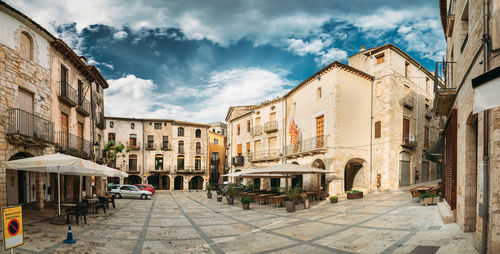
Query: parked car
[
  {"x": 147, "y": 187},
  {"x": 113, "y": 186},
  {"x": 130, "y": 191},
  {"x": 236, "y": 186}
]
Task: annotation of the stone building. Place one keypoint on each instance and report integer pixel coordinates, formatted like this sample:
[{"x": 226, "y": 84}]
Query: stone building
[
  {"x": 219, "y": 128},
  {"x": 169, "y": 154},
  {"x": 31, "y": 105},
  {"x": 471, "y": 132},
  {"x": 216, "y": 157},
  {"x": 357, "y": 121}
]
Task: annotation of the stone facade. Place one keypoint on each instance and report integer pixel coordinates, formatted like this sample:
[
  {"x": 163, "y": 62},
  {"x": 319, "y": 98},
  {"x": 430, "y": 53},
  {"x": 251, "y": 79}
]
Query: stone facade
[
  {"x": 463, "y": 24},
  {"x": 159, "y": 146}
]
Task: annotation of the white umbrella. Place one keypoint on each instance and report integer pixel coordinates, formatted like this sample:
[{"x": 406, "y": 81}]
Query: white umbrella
[{"x": 60, "y": 164}]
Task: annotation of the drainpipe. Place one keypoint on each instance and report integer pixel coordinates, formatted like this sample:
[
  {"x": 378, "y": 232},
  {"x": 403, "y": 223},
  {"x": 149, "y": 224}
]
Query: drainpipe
[
  {"x": 485, "y": 211},
  {"x": 371, "y": 136}
]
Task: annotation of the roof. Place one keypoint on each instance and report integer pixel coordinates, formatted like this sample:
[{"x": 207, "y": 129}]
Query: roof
[
  {"x": 73, "y": 58},
  {"x": 173, "y": 122},
  {"x": 232, "y": 108}
]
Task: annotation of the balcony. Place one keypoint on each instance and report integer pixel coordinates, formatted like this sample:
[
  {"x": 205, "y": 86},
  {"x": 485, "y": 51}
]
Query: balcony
[
  {"x": 256, "y": 130},
  {"x": 444, "y": 90},
  {"x": 28, "y": 129},
  {"x": 409, "y": 100},
  {"x": 214, "y": 161},
  {"x": 83, "y": 107},
  {"x": 150, "y": 146},
  {"x": 198, "y": 151},
  {"x": 137, "y": 146},
  {"x": 166, "y": 146},
  {"x": 238, "y": 161},
  {"x": 269, "y": 155},
  {"x": 190, "y": 170},
  {"x": 100, "y": 121},
  {"x": 409, "y": 142},
  {"x": 73, "y": 145},
  {"x": 67, "y": 94},
  {"x": 450, "y": 19},
  {"x": 271, "y": 127},
  {"x": 158, "y": 170},
  {"x": 307, "y": 147},
  {"x": 134, "y": 170}
]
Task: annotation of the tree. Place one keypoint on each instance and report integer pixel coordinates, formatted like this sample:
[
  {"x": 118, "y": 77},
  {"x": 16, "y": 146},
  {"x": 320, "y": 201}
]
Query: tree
[{"x": 114, "y": 151}]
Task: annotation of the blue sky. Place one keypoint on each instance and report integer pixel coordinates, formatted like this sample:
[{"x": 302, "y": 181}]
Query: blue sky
[{"x": 191, "y": 60}]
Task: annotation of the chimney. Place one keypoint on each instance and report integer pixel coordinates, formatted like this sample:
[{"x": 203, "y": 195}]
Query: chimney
[
  {"x": 83, "y": 59},
  {"x": 362, "y": 48}
]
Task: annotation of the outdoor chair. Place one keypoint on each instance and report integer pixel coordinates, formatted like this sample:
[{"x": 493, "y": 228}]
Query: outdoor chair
[
  {"x": 81, "y": 210},
  {"x": 111, "y": 200},
  {"x": 101, "y": 204}
]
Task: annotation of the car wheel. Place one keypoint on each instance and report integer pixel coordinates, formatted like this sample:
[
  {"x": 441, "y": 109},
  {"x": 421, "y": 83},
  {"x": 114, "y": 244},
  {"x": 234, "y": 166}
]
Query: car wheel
[
  {"x": 118, "y": 195},
  {"x": 144, "y": 196}
]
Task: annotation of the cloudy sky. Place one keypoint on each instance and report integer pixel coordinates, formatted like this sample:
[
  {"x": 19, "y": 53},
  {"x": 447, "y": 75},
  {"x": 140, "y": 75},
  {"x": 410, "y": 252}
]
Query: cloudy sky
[{"x": 192, "y": 59}]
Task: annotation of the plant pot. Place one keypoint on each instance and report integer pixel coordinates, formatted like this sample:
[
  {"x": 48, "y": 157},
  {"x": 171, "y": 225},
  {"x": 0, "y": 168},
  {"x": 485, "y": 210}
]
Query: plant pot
[
  {"x": 230, "y": 200},
  {"x": 355, "y": 195},
  {"x": 219, "y": 199},
  {"x": 429, "y": 201},
  {"x": 246, "y": 206},
  {"x": 290, "y": 206},
  {"x": 209, "y": 194},
  {"x": 334, "y": 200},
  {"x": 307, "y": 203}
]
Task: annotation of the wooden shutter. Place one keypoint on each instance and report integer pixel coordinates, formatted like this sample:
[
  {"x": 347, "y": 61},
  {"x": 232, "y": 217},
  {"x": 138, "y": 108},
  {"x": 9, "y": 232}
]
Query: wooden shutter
[
  {"x": 273, "y": 143},
  {"x": 426, "y": 137},
  {"x": 272, "y": 117},
  {"x": 377, "y": 129},
  {"x": 450, "y": 160},
  {"x": 26, "y": 120},
  {"x": 320, "y": 131},
  {"x": 257, "y": 146},
  {"x": 239, "y": 149},
  {"x": 406, "y": 130}
]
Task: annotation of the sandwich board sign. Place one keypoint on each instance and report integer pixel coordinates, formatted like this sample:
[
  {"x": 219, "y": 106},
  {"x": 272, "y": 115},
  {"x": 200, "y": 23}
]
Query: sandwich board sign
[{"x": 12, "y": 226}]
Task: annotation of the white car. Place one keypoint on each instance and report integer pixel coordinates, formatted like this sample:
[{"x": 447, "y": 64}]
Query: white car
[{"x": 130, "y": 191}]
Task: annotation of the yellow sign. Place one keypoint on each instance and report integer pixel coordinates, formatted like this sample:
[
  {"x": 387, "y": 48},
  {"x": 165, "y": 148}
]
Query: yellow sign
[{"x": 12, "y": 227}]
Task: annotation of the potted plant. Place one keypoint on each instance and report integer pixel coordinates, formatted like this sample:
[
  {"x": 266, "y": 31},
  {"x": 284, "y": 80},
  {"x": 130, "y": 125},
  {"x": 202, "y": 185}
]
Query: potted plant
[
  {"x": 209, "y": 190},
  {"x": 293, "y": 195},
  {"x": 230, "y": 195},
  {"x": 354, "y": 194},
  {"x": 307, "y": 203},
  {"x": 246, "y": 202},
  {"x": 334, "y": 199},
  {"x": 428, "y": 199}
]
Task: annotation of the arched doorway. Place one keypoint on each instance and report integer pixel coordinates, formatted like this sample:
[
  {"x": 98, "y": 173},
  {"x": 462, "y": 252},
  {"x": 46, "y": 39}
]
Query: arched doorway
[
  {"x": 134, "y": 179},
  {"x": 18, "y": 182},
  {"x": 154, "y": 180},
  {"x": 196, "y": 183},
  {"x": 178, "y": 183},
  {"x": 353, "y": 174},
  {"x": 404, "y": 169},
  {"x": 165, "y": 182},
  {"x": 318, "y": 163}
]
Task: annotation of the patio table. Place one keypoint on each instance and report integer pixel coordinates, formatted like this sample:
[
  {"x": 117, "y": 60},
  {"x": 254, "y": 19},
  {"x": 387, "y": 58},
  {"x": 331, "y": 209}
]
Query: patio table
[{"x": 278, "y": 200}]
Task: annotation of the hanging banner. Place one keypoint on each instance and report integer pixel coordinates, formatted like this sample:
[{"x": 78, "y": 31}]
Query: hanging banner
[{"x": 12, "y": 227}]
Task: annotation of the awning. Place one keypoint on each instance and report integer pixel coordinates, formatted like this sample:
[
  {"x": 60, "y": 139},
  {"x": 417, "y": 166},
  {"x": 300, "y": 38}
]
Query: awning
[
  {"x": 486, "y": 90},
  {"x": 435, "y": 153}
]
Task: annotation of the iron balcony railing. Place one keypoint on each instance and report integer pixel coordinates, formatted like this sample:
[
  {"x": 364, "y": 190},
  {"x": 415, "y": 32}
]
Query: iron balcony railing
[
  {"x": 30, "y": 126},
  {"x": 190, "y": 169},
  {"x": 67, "y": 94},
  {"x": 133, "y": 168},
  {"x": 272, "y": 154},
  {"x": 256, "y": 130},
  {"x": 73, "y": 144},
  {"x": 308, "y": 145},
  {"x": 238, "y": 160},
  {"x": 450, "y": 19},
  {"x": 100, "y": 120},
  {"x": 137, "y": 146},
  {"x": 409, "y": 141},
  {"x": 83, "y": 107},
  {"x": 271, "y": 126},
  {"x": 443, "y": 78},
  {"x": 163, "y": 169}
]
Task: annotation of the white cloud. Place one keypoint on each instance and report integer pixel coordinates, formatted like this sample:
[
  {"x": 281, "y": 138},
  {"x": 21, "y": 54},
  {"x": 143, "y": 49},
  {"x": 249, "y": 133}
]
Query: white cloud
[
  {"x": 92, "y": 61},
  {"x": 120, "y": 35},
  {"x": 302, "y": 48},
  {"x": 331, "y": 55}
]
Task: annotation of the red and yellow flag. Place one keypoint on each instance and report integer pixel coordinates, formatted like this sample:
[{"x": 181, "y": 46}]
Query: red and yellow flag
[{"x": 293, "y": 131}]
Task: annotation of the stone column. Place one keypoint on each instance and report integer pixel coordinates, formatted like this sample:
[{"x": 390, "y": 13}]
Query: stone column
[{"x": 40, "y": 191}]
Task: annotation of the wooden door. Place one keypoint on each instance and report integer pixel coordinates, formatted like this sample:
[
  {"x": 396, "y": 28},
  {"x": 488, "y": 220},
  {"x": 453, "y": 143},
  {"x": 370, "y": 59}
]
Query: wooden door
[
  {"x": 450, "y": 160},
  {"x": 63, "y": 136},
  {"x": 25, "y": 116},
  {"x": 320, "y": 131},
  {"x": 80, "y": 136},
  {"x": 425, "y": 171}
]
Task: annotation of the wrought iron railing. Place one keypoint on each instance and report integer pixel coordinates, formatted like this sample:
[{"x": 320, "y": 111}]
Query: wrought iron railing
[
  {"x": 67, "y": 94},
  {"x": 29, "y": 125},
  {"x": 443, "y": 78},
  {"x": 271, "y": 126},
  {"x": 100, "y": 120},
  {"x": 307, "y": 145},
  {"x": 73, "y": 144},
  {"x": 256, "y": 130},
  {"x": 271, "y": 154},
  {"x": 83, "y": 107},
  {"x": 190, "y": 169},
  {"x": 136, "y": 146}
]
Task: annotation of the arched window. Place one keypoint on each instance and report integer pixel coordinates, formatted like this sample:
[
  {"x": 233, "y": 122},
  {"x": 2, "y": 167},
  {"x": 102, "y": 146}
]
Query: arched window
[
  {"x": 198, "y": 148},
  {"x": 111, "y": 124},
  {"x": 180, "y": 132},
  {"x": 159, "y": 162},
  {"x": 26, "y": 47},
  {"x": 132, "y": 126},
  {"x": 181, "y": 147},
  {"x": 198, "y": 133}
]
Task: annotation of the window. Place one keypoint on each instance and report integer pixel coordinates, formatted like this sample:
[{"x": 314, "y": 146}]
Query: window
[
  {"x": 132, "y": 126},
  {"x": 380, "y": 58},
  {"x": 197, "y": 133},
  {"x": 197, "y": 163},
  {"x": 159, "y": 162},
  {"x": 406, "y": 130},
  {"x": 377, "y": 129},
  {"x": 165, "y": 142},
  {"x": 426, "y": 137},
  {"x": 157, "y": 126},
  {"x": 180, "y": 132},
  {"x": 111, "y": 136},
  {"x": 248, "y": 126},
  {"x": 198, "y": 148},
  {"x": 407, "y": 66},
  {"x": 132, "y": 162},
  {"x": 151, "y": 141},
  {"x": 239, "y": 149},
  {"x": 180, "y": 148},
  {"x": 320, "y": 130},
  {"x": 80, "y": 93},
  {"x": 238, "y": 130},
  {"x": 111, "y": 124},
  {"x": 318, "y": 92},
  {"x": 216, "y": 141},
  {"x": 248, "y": 147},
  {"x": 133, "y": 141},
  {"x": 26, "y": 46},
  {"x": 215, "y": 156},
  {"x": 180, "y": 162}
]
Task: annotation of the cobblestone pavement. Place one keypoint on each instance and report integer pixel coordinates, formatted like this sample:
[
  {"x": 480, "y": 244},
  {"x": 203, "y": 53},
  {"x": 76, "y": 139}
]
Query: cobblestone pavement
[{"x": 188, "y": 222}]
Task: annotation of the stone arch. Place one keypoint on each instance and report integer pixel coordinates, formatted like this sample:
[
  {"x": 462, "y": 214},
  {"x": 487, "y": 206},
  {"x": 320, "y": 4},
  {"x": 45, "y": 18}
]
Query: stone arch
[
  {"x": 196, "y": 183},
  {"x": 318, "y": 163},
  {"x": 179, "y": 183},
  {"x": 296, "y": 163},
  {"x": 154, "y": 180},
  {"x": 134, "y": 179},
  {"x": 354, "y": 174},
  {"x": 17, "y": 182},
  {"x": 164, "y": 182}
]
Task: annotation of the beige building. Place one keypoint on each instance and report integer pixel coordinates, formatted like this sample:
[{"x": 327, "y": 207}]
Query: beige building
[
  {"x": 169, "y": 154},
  {"x": 470, "y": 165},
  {"x": 357, "y": 121},
  {"x": 33, "y": 105}
]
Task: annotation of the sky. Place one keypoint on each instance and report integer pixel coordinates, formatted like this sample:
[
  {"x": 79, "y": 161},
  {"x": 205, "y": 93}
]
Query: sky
[{"x": 192, "y": 59}]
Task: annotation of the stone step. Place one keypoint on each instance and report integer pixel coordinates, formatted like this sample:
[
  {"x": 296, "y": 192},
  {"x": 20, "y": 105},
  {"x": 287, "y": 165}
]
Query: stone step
[{"x": 445, "y": 213}]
